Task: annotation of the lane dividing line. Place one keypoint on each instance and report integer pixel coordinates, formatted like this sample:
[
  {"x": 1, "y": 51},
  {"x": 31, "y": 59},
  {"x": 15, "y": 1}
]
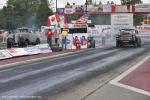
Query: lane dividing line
[{"x": 116, "y": 80}]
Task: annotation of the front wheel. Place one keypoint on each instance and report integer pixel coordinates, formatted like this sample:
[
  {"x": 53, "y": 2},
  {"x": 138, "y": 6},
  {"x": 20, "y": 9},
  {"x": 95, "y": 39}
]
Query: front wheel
[
  {"x": 117, "y": 44},
  {"x": 37, "y": 41},
  {"x": 135, "y": 44},
  {"x": 26, "y": 44}
]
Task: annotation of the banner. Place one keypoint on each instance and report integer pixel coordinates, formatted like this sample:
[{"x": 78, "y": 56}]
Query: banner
[
  {"x": 32, "y": 50},
  {"x": 144, "y": 31},
  {"x": 69, "y": 11},
  {"x": 4, "y": 54},
  {"x": 142, "y": 8},
  {"x": 60, "y": 10},
  {"x": 69, "y": 41},
  {"x": 82, "y": 38},
  {"x": 119, "y": 21},
  {"x": 44, "y": 48},
  {"x": 17, "y": 52}
]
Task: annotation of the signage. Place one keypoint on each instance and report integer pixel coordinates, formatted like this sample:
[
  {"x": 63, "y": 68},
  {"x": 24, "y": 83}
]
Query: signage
[
  {"x": 69, "y": 41},
  {"x": 82, "y": 38},
  {"x": 69, "y": 11},
  {"x": 4, "y": 54},
  {"x": 60, "y": 10},
  {"x": 142, "y": 8},
  {"x": 17, "y": 52},
  {"x": 32, "y": 50},
  {"x": 119, "y": 21},
  {"x": 44, "y": 48}
]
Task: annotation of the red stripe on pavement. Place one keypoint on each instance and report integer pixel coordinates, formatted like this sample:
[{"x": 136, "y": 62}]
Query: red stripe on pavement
[{"x": 139, "y": 78}]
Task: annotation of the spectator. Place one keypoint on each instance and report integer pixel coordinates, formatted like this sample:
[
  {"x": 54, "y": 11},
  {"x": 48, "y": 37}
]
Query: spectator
[
  {"x": 64, "y": 38},
  {"x": 10, "y": 40},
  {"x": 112, "y": 2},
  {"x": 49, "y": 36},
  {"x": 56, "y": 32},
  {"x": 68, "y": 5},
  {"x": 108, "y": 3},
  {"x": 100, "y": 3}
]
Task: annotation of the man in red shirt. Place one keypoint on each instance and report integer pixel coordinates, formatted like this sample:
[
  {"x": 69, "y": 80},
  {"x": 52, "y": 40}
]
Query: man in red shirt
[{"x": 49, "y": 36}]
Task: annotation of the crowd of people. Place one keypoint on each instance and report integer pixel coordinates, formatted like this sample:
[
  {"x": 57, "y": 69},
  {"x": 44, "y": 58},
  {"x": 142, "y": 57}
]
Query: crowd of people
[{"x": 60, "y": 37}]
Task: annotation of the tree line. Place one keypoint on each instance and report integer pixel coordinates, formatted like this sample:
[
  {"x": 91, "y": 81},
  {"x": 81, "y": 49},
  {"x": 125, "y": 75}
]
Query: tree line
[
  {"x": 34, "y": 13},
  {"x": 24, "y": 13}
]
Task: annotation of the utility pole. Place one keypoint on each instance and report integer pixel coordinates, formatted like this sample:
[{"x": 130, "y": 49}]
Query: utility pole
[{"x": 86, "y": 3}]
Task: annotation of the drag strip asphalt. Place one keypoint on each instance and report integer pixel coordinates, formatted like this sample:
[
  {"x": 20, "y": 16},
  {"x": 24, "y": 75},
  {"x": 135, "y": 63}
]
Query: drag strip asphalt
[{"x": 51, "y": 76}]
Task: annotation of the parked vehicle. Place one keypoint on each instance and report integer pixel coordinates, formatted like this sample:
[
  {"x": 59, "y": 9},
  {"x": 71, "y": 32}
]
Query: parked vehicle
[
  {"x": 24, "y": 37},
  {"x": 128, "y": 37}
]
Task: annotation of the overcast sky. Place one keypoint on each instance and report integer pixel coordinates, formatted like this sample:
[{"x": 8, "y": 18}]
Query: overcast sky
[{"x": 61, "y": 3}]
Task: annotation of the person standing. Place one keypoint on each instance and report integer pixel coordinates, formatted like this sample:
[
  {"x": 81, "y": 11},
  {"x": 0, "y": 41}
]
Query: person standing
[
  {"x": 56, "y": 37},
  {"x": 49, "y": 36},
  {"x": 64, "y": 39},
  {"x": 10, "y": 40}
]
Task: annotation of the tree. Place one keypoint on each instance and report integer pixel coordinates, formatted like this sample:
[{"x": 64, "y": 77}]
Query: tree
[
  {"x": 24, "y": 13},
  {"x": 138, "y": 19},
  {"x": 2, "y": 20},
  {"x": 42, "y": 13},
  {"x": 128, "y": 2}
]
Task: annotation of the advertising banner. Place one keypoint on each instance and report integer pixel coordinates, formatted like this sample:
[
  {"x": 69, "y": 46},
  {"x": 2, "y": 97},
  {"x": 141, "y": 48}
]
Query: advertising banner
[
  {"x": 142, "y": 8},
  {"x": 119, "y": 21},
  {"x": 144, "y": 31},
  {"x": 17, "y": 52},
  {"x": 69, "y": 11},
  {"x": 69, "y": 41},
  {"x": 32, "y": 50},
  {"x": 4, "y": 54},
  {"x": 80, "y": 39},
  {"x": 60, "y": 10},
  {"x": 44, "y": 48}
]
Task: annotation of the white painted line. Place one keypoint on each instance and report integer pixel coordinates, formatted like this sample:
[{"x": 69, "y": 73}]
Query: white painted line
[
  {"x": 132, "y": 88},
  {"x": 116, "y": 80}
]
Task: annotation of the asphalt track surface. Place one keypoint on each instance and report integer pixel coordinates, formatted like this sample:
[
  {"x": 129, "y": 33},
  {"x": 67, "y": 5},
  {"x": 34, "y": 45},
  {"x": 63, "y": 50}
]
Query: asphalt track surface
[{"x": 52, "y": 76}]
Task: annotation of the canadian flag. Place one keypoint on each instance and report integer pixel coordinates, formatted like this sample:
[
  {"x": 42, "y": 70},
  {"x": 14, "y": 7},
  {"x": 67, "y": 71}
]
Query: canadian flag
[{"x": 53, "y": 20}]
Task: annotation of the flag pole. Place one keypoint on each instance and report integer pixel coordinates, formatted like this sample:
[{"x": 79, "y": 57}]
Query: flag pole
[{"x": 56, "y": 6}]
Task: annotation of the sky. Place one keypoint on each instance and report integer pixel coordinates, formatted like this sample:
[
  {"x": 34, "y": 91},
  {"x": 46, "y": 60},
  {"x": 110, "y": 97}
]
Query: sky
[{"x": 61, "y": 3}]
